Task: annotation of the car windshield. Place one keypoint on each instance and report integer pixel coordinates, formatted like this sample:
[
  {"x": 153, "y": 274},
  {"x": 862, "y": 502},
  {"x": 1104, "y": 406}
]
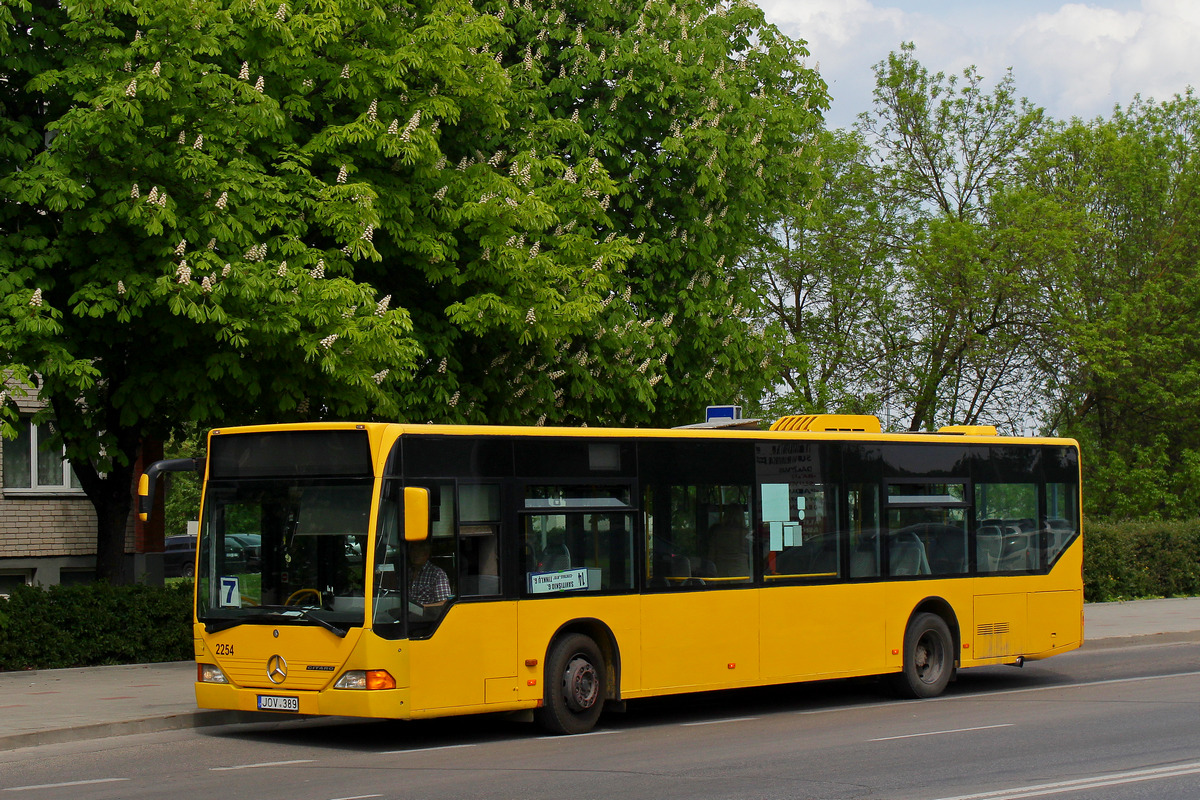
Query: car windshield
[{"x": 284, "y": 552}]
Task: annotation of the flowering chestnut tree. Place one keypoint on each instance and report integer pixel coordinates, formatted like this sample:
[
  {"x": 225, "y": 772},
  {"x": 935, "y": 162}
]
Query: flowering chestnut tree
[
  {"x": 650, "y": 145},
  {"x": 220, "y": 211}
]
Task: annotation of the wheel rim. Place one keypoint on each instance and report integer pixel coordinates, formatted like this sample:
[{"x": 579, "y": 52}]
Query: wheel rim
[
  {"x": 581, "y": 684},
  {"x": 929, "y": 657}
]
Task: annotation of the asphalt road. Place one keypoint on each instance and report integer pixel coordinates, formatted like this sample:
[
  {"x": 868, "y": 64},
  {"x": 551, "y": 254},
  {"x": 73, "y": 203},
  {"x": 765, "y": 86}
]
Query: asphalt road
[{"x": 1105, "y": 723}]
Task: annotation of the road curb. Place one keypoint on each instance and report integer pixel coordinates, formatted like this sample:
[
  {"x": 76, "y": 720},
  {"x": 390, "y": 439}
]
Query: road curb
[
  {"x": 1141, "y": 640},
  {"x": 102, "y": 730}
]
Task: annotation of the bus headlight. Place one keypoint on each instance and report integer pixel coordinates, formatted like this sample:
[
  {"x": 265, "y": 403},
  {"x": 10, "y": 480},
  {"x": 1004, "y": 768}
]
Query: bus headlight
[
  {"x": 366, "y": 679},
  {"x": 210, "y": 673}
]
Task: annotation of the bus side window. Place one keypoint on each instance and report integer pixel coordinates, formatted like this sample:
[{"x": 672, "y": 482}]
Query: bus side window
[
  {"x": 862, "y": 502},
  {"x": 478, "y": 539},
  {"x": 801, "y": 540},
  {"x": 702, "y": 539},
  {"x": 480, "y": 560},
  {"x": 1062, "y": 515},
  {"x": 584, "y": 551},
  {"x": 1005, "y": 538}
]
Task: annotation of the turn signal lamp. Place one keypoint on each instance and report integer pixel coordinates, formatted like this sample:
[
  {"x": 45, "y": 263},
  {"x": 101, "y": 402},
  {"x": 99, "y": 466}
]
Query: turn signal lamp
[
  {"x": 366, "y": 679},
  {"x": 210, "y": 673}
]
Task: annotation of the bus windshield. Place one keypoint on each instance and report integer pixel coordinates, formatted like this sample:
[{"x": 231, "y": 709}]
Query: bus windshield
[{"x": 284, "y": 551}]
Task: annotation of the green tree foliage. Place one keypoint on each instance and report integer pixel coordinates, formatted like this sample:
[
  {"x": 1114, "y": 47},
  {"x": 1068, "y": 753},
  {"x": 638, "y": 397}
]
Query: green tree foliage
[
  {"x": 911, "y": 287},
  {"x": 947, "y": 149},
  {"x": 670, "y": 126},
  {"x": 204, "y": 201},
  {"x": 1123, "y": 371},
  {"x": 155, "y": 195},
  {"x": 826, "y": 277}
]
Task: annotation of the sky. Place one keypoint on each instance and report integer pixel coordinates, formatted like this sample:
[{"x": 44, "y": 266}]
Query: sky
[{"x": 1073, "y": 59}]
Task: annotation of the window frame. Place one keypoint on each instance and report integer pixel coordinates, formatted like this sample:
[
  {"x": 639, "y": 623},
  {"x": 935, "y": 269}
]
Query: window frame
[
  {"x": 70, "y": 486},
  {"x": 577, "y": 507}
]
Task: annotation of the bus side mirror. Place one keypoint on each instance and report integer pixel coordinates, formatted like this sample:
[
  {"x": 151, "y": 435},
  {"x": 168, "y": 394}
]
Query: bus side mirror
[
  {"x": 416, "y": 514},
  {"x": 146, "y": 483}
]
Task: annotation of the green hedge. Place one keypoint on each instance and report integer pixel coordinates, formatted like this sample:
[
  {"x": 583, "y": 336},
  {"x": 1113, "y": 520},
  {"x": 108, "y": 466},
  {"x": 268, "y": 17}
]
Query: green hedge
[
  {"x": 89, "y": 625},
  {"x": 1128, "y": 560}
]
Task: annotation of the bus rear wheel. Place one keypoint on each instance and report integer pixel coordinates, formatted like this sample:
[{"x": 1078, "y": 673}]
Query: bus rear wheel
[
  {"x": 928, "y": 657},
  {"x": 574, "y": 686}
]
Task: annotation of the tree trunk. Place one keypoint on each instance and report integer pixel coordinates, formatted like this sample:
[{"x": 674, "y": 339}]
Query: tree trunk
[
  {"x": 111, "y": 493},
  {"x": 113, "y": 502}
]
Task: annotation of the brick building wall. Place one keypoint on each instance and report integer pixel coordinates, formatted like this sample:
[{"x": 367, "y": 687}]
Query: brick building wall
[
  {"x": 55, "y": 526},
  {"x": 46, "y": 537}
]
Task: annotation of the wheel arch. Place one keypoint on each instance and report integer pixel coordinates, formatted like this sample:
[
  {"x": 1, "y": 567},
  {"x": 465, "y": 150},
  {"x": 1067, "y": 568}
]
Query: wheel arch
[
  {"x": 602, "y": 635},
  {"x": 942, "y": 608}
]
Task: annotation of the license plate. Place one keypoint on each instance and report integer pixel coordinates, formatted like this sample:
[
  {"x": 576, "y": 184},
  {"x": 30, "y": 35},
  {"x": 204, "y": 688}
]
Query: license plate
[{"x": 270, "y": 702}]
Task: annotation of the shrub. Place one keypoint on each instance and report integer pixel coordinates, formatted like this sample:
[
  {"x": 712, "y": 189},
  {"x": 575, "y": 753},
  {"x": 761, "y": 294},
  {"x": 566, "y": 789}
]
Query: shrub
[
  {"x": 89, "y": 625},
  {"x": 1132, "y": 559}
]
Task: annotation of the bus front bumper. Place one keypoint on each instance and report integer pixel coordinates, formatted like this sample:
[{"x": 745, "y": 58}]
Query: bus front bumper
[{"x": 379, "y": 703}]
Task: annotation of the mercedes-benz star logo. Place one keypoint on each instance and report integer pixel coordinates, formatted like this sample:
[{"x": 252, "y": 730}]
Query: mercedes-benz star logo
[{"x": 276, "y": 669}]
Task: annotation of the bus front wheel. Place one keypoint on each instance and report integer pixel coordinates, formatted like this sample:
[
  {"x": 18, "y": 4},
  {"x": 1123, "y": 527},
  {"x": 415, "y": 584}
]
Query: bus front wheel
[
  {"x": 928, "y": 657},
  {"x": 575, "y": 680}
]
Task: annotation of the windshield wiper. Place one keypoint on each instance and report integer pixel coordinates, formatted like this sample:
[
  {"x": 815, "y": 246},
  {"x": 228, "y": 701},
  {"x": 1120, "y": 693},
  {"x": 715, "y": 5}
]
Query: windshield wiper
[
  {"x": 273, "y": 614},
  {"x": 324, "y": 623}
]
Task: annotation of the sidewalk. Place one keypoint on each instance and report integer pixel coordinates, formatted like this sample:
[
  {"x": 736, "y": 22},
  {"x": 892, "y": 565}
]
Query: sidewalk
[{"x": 61, "y": 705}]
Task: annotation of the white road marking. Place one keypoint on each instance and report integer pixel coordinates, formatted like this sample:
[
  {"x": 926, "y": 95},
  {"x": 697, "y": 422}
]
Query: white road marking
[
  {"x": 1080, "y": 784},
  {"x": 718, "y": 721},
  {"x": 61, "y": 785},
  {"x": 577, "y": 735},
  {"x": 425, "y": 749},
  {"x": 359, "y": 797},
  {"x": 940, "y": 733},
  {"x": 995, "y": 693},
  {"x": 263, "y": 764}
]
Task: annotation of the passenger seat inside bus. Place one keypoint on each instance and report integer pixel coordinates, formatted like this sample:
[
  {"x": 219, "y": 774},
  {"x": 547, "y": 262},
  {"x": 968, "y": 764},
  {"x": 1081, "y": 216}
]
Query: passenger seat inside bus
[
  {"x": 908, "y": 557},
  {"x": 556, "y": 557},
  {"x": 1017, "y": 555},
  {"x": 988, "y": 544}
]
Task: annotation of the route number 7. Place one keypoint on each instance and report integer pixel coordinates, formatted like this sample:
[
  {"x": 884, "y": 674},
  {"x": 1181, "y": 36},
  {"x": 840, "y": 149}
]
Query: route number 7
[{"x": 231, "y": 595}]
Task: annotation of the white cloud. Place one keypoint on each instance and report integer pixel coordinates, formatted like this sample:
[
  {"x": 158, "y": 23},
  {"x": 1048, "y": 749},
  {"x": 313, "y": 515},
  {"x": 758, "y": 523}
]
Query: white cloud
[
  {"x": 1076, "y": 59},
  {"x": 1074, "y": 56},
  {"x": 839, "y": 25}
]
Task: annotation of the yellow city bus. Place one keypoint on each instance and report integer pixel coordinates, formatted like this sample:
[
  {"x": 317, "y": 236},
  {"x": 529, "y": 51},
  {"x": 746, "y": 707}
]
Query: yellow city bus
[{"x": 409, "y": 571}]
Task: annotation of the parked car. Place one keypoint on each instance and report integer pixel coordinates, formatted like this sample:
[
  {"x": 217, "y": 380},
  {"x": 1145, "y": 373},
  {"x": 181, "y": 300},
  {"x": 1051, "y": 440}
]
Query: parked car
[
  {"x": 251, "y": 549},
  {"x": 179, "y": 555}
]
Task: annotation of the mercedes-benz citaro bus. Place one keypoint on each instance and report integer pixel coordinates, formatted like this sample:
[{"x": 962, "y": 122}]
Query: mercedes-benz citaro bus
[{"x": 411, "y": 571}]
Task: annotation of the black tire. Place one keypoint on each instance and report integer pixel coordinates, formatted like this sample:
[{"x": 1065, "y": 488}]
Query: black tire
[
  {"x": 928, "y": 657},
  {"x": 188, "y": 571},
  {"x": 575, "y": 681}
]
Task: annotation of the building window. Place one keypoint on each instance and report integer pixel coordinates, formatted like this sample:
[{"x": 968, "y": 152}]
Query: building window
[
  {"x": 11, "y": 579},
  {"x": 31, "y": 465}
]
